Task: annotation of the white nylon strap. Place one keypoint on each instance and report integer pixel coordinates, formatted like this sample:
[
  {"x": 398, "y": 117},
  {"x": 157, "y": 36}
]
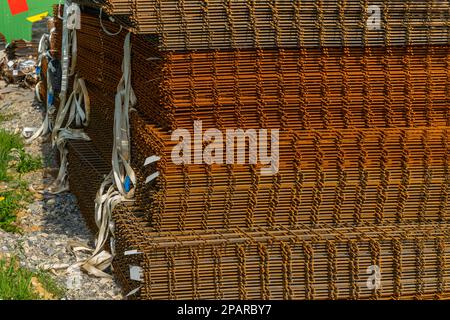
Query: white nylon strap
[
  {"x": 37, "y": 91},
  {"x": 61, "y": 183},
  {"x": 44, "y": 47},
  {"x": 74, "y": 50},
  {"x": 66, "y": 39},
  {"x": 77, "y": 108},
  {"x": 112, "y": 190},
  {"x": 46, "y": 126},
  {"x": 125, "y": 99}
]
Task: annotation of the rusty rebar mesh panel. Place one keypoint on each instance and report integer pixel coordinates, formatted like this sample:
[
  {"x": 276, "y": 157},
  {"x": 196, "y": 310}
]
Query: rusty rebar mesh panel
[
  {"x": 43, "y": 77},
  {"x": 86, "y": 169},
  {"x": 328, "y": 88},
  {"x": 56, "y": 39},
  {"x": 102, "y": 120},
  {"x": 297, "y": 263},
  {"x": 329, "y": 176},
  {"x": 260, "y": 263},
  {"x": 364, "y": 148},
  {"x": 111, "y": 7},
  {"x": 307, "y": 89},
  {"x": 329, "y": 163},
  {"x": 220, "y": 24}
]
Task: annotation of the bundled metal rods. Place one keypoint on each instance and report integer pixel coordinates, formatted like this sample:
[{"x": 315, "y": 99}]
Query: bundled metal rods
[{"x": 363, "y": 171}]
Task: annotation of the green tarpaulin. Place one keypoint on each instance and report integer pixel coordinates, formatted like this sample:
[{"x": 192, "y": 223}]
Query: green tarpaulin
[{"x": 19, "y": 26}]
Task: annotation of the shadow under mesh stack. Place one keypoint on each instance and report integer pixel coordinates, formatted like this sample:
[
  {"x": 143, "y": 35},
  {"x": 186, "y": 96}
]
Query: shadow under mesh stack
[
  {"x": 364, "y": 125},
  {"x": 87, "y": 169}
]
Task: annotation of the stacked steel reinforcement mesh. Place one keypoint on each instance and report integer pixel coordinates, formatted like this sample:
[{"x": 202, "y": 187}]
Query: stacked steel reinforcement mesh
[{"x": 364, "y": 162}]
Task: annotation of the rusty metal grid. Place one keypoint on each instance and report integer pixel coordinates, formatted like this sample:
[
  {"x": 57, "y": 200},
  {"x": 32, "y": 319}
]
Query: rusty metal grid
[
  {"x": 87, "y": 170},
  {"x": 297, "y": 263},
  {"x": 330, "y": 176},
  {"x": 328, "y": 88},
  {"x": 221, "y": 24},
  {"x": 363, "y": 179}
]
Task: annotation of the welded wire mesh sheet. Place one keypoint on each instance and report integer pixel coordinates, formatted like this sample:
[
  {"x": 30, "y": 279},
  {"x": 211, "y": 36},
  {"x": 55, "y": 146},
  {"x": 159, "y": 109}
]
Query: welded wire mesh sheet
[
  {"x": 329, "y": 88},
  {"x": 300, "y": 263},
  {"x": 364, "y": 140},
  {"x": 86, "y": 171},
  {"x": 295, "y": 88},
  {"x": 218, "y": 24},
  {"x": 111, "y": 7},
  {"x": 329, "y": 176}
]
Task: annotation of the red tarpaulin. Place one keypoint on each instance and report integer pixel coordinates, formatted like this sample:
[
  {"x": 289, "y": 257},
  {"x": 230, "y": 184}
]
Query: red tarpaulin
[{"x": 18, "y": 6}]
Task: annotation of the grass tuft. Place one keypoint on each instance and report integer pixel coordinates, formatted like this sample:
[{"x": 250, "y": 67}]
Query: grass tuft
[
  {"x": 16, "y": 282},
  {"x": 9, "y": 204},
  {"x": 8, "y": 142},
  {"x": 28, "y": 163}
]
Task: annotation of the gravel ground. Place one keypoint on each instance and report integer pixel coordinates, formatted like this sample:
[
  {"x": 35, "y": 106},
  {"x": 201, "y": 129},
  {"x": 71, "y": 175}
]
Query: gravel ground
[{"x": 51, "y": 221}]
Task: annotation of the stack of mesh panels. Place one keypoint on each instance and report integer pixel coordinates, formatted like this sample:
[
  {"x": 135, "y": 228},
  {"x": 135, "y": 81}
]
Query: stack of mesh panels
[
  {"x": 285, "y": 263},
  {"x": 330, "y": 176},
  {"x": 363, "y": 173},
  {"x": 308, "y": 89},
  {"x": 222, "y": 24}
]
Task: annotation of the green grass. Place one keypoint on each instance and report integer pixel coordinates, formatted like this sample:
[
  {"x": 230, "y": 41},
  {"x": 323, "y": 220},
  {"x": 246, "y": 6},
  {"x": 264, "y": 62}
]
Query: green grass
[
  {"x": 15, "y": 282},
  {"x": 28, "y": 163},
  {"x": 17, "y": 194},
  {"x": 8, "y": 141},
  {"x": 50, "y": 284},
  {"x": 11, "y": 201},
  {"x": 9, "y": 204}
]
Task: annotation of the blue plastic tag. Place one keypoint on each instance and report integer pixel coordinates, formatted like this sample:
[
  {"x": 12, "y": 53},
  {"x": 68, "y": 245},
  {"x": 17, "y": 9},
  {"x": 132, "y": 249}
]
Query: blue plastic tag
[
  {"x": 38, "y": 70},
  {"x": 50, "y": 99},
  {"x": 127, "y": 184}
]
